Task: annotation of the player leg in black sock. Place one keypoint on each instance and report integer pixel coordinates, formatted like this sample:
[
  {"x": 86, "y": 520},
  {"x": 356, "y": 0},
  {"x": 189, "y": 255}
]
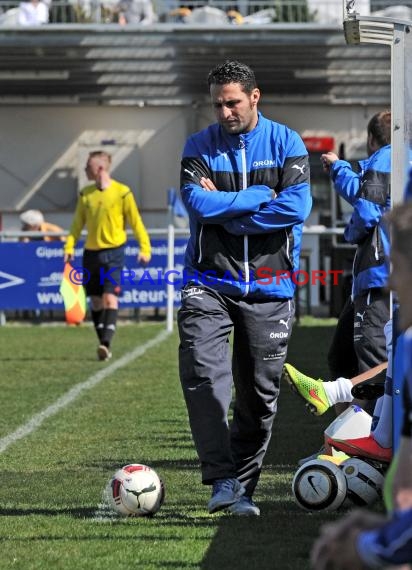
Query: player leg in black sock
[
  {"x": 109, "y": 328},
  {"x": 97, "y": 317}
]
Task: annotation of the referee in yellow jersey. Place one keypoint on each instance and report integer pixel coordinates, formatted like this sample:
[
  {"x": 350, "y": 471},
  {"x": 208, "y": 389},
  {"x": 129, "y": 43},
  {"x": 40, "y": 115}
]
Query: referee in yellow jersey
[{"x": 104, "y": 207}]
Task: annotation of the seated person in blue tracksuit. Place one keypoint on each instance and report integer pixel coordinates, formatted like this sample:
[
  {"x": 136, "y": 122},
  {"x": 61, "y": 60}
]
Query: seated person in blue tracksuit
[{"x": 364, "y": 540}]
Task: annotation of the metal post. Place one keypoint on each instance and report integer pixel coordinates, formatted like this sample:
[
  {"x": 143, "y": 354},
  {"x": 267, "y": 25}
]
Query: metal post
[
  {"x": 401, "y": 49},
  {"x": 170, "y": 264},
  {"x": 386, "y": 31}
]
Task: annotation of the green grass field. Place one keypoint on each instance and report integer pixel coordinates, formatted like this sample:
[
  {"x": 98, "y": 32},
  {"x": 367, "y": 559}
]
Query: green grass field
[{"x": 52, "y": 478}]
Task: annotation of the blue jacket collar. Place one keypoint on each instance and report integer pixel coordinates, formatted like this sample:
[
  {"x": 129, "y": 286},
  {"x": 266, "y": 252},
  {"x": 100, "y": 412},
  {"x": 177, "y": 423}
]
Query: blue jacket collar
[{"x": 234, "y": 141}]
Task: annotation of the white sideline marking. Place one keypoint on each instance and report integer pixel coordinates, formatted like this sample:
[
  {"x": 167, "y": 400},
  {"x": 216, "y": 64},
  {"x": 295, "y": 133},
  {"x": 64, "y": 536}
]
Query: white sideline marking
[{"x": 73, "y": 393}]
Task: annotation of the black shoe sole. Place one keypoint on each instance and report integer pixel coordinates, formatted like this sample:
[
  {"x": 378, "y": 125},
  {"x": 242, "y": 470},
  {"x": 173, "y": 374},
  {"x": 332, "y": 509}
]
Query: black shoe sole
[{"x": 370, "y": 389}]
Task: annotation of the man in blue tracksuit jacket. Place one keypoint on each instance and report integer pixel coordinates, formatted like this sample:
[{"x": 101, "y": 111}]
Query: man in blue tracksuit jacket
[
  {"x": 361, "y": 321},
  {"x": 245, "y": 184}
]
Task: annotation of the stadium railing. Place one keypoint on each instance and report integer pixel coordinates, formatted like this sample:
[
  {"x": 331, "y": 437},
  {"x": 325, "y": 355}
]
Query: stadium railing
[
  {"x": 177, "y": 11},
  {"x": 171, "y": 233}
]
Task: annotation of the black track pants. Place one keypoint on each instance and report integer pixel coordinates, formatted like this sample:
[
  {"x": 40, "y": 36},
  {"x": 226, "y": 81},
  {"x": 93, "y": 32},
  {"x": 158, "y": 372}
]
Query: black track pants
[{"x": 208, "y": 373}]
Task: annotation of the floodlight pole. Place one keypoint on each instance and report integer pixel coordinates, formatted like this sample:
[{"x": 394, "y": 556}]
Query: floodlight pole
[
  {"x": 387, "y": 31},
  {"x": 170, "y": 289},
  {"x": 397, "y": 35}
]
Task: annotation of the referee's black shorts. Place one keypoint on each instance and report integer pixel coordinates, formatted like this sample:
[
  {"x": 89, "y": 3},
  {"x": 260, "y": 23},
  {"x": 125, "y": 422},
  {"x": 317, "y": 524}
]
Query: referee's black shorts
[{"x": 103, "y": 268}]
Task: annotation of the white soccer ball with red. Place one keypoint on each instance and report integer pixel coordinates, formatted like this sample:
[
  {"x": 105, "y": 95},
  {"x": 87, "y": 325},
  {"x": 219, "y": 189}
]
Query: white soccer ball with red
[{"x": 135, "y": 490}]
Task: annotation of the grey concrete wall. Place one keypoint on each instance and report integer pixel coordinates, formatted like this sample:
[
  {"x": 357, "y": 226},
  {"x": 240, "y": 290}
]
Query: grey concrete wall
[{"x": 43, "y": 149}]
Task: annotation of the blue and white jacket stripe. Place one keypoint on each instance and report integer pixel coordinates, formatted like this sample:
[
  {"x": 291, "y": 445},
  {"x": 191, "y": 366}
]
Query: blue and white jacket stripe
[{"x": 369, "y": 193}]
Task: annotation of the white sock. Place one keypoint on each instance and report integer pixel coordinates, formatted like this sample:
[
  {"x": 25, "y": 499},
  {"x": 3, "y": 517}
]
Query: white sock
[{"x": 339, "y": 391}]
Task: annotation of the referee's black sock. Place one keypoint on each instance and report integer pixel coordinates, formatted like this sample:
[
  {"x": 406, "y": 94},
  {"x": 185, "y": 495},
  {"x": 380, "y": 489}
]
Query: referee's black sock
[
  {"x": 97, "y": 317},
  {"x": 109, "y": 322}
]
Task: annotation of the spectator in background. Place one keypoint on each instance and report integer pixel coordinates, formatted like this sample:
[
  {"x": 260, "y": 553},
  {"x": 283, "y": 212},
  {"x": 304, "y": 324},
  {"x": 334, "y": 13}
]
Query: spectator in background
[
  {"x": 33, "y": 221},
  {"x": 33, "y": 13},
  {"x": 235, "y": 17},
  {"x": 179, "y": 15},
  {"x": 136, "y": 12}
]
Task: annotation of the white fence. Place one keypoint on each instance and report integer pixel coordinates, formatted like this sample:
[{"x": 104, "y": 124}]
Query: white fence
[{"x": 200, "y": 12}]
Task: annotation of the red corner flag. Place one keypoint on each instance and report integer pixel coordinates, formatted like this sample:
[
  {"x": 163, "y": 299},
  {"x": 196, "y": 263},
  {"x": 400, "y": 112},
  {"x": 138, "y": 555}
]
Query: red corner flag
[{"x": 74, "y": 297}]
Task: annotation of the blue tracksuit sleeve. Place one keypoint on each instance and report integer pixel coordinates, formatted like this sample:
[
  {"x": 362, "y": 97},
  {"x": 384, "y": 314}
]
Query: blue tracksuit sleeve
[
  {"x": 347, "y": 183},
  {"x": 291, "y": 207},
  {"x": 368, "y": 193},
  {"x": 216, "y": 207},
  {"x": 366, "y": 215},
  {"x": 389, "y": 545},
  {"x": 293, "y": 202}
]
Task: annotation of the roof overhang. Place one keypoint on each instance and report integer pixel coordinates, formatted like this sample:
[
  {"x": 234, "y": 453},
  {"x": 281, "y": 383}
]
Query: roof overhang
[{"x": 167, "y": 64}]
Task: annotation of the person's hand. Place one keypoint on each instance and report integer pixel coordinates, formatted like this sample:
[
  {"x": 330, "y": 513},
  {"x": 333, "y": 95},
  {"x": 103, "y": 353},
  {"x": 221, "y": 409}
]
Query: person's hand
[
  {"x": 336, "y": 547},
  {"x": 68, "y": 257},
  {"x": 328, "y": 159},
  {"x": 143, "y": 258},
  {"x": 207, "y": 184}
]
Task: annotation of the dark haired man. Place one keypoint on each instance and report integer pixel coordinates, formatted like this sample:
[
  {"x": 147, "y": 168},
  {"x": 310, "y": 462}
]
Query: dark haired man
[{"x": 245, "y": 184}]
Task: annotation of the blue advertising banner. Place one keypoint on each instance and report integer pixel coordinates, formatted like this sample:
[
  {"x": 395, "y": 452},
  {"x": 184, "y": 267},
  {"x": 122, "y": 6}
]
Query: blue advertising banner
[{"x": 31, "y": 273}]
